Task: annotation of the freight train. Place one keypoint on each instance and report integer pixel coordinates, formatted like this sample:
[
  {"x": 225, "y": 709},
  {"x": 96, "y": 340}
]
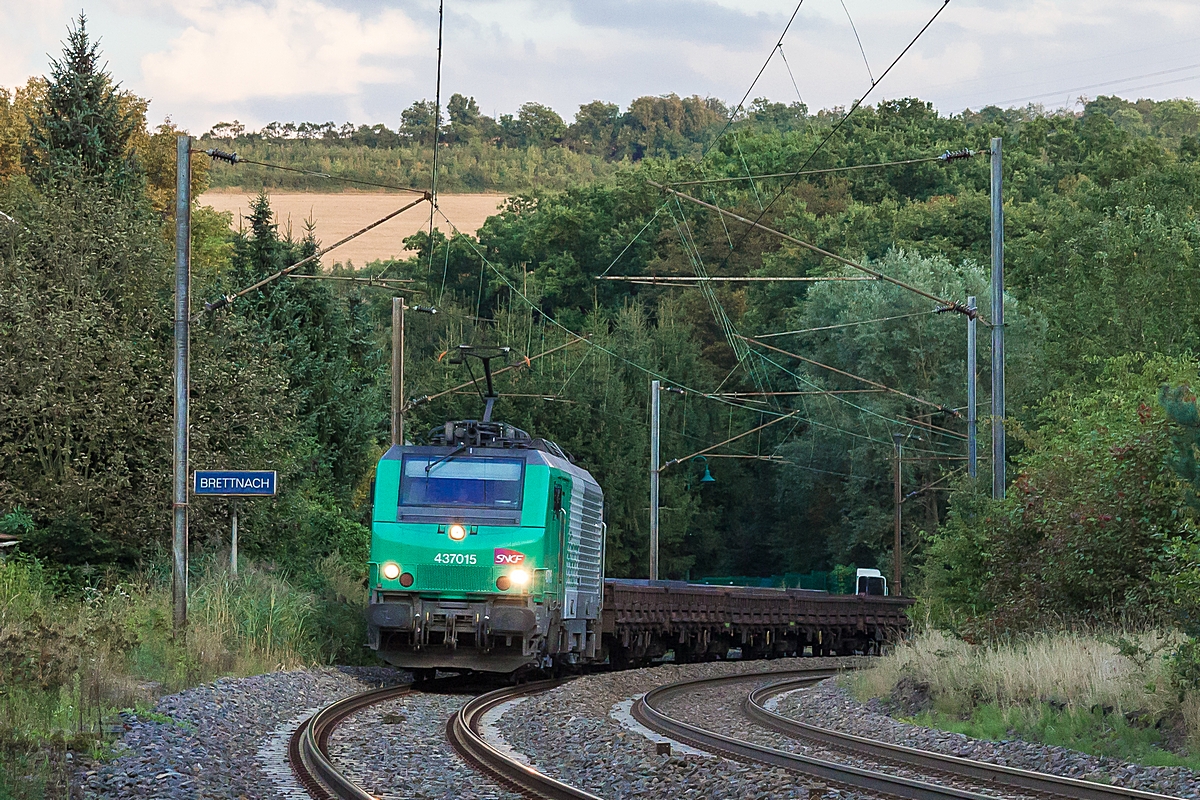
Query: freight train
[{"x": 487, "y": 554}]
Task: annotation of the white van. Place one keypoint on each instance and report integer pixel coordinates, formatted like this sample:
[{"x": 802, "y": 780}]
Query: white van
[{"x": 872, "y": 582}]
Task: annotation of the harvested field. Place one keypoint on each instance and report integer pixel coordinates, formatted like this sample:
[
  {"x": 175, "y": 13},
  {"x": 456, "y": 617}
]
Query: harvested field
[{"x": 339, "y": 214}]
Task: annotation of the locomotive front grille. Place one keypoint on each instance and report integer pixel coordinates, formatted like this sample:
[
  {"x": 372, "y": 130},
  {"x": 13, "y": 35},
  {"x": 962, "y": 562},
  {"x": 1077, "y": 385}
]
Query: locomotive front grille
[{"x": 454, "y": 578}]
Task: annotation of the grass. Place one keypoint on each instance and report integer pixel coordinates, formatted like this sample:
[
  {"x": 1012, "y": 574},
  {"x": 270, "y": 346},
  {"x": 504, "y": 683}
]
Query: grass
[
  {"x": 1104, "y": 694},
  {"x": 1089, "y": 731},
  {"x": 70, "y": 658}
]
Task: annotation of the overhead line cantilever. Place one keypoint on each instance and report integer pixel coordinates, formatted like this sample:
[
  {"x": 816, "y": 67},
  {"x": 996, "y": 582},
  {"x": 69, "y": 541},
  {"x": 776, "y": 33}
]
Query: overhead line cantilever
[
  {"x": 727, "y": 441},
  {"x": 951, "y": 305},
  {"x": 852, "y": 376}
]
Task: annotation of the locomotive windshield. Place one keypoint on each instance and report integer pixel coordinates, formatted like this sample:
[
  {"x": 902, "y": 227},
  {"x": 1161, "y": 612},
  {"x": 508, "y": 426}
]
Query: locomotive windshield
[{"x": 463, "y": 482}]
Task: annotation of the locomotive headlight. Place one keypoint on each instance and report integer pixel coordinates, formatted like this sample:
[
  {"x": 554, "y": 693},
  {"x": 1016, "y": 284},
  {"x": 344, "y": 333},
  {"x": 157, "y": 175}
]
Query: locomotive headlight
[
  {"x": 519, "y": 577},
  {"x": 390, "y": 570},
  {"x": 458, "y": 533}
]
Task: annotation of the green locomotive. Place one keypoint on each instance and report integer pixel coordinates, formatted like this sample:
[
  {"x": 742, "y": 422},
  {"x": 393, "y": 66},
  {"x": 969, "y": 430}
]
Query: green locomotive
[{"x": 487, "y": 552}]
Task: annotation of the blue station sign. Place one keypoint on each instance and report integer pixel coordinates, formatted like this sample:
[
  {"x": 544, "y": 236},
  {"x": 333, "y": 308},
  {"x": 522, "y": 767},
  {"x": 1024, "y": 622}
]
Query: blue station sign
[{"x": 234, "y": 483}]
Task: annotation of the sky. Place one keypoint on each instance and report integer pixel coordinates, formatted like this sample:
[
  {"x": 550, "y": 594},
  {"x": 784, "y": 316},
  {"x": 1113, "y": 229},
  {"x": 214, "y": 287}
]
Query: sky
[{"x": 257, "y": 61}]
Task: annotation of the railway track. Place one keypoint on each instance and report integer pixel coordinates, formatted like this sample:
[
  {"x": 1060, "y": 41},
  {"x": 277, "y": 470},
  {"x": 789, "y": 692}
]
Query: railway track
[
  {"x": 310, "y": 760},
  {"x": 648, "y": 711},
  {"x": 463, "y": 732},
  {"x": 1038, "y": 783},
  {"x": 308, "y": 753}
]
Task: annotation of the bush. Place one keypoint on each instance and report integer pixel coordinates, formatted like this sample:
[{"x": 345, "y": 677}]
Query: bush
[
  {"x": 1086, "y": 524},
  {"x": 69, "y": 659}
]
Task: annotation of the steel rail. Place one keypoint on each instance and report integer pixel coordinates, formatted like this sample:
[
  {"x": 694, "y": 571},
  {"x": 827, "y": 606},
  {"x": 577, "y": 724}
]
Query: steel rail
[
  {"x": 308, "y": 753},
  {"x": 463, "y": 732},
  {"x": 992, "y": 774},
  {"x": 646, "y": 711}
]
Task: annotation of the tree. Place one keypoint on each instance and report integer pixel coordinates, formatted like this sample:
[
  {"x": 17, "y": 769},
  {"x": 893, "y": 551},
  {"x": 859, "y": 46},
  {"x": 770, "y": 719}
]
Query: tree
[
  {"x": 464, "y": 118},
  {"x": 81, "y": 130},
  {"x": 1092, "y": 516},
  {"x": 595, "y": 128},
  {"x": 417, "y": 122}
]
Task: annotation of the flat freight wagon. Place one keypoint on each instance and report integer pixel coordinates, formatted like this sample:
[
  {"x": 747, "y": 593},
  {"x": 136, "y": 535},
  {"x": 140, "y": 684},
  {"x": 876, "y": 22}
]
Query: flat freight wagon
[{"x": 643, "y": 620}]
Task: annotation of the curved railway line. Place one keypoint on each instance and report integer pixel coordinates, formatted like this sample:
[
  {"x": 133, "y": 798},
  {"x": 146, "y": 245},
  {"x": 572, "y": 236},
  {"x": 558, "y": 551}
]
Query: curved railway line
[
  {"x": 310, "y": 760},
  {"x": 648, "y": 711},
  {"x": 309, "y": 755},
  {"x": 463, "y": 732},
  {"x": 308, "y": 748}
]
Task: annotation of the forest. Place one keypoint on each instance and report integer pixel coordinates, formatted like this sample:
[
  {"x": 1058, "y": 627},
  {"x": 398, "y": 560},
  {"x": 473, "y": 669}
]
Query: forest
[
  {"x": 1102, "y": 313},
  {"x": 1099, "y": 225}
]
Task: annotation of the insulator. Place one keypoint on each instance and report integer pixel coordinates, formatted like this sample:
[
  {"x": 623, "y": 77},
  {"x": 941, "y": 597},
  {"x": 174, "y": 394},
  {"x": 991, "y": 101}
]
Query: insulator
[
  {"x": 215, "y": 154},
  {"x": 218, "y": 305},
  {"x": 956, "y": 155}
]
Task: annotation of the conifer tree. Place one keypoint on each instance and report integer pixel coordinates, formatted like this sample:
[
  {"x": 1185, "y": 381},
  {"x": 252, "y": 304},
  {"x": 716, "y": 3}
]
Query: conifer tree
[{"x": 80, "y": 131}]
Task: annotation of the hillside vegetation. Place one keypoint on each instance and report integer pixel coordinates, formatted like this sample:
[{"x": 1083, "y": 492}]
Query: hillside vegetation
[{"x": 1098, "y": 529}]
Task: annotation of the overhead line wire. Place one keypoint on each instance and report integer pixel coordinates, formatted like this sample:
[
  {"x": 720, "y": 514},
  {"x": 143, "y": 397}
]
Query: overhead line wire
[
  {"x": 859, "y": 378},
  {"x": 649, "y": 222},
  {"x": 950, "y": 305},
  {"x": 947, "y": 156},
  {"x": 647, "y": 370},
  {"x": 234, "y": 158},
  {"x": 846, "y": 324},
  {"x": 727, "y": 441},
  {"x": 437, "y": 120},
  {"x": 857, "y": 39},
  {"x": 733, "y": 114},
  {"x": 1103, "y": 83},
  {"x": 857, "y": 103},
  {"x": 735, "y": 343},
  {"x": 283, "y": 273},
  {"x": 783, "y": 55},
  {"x": 558, "y": 324}
]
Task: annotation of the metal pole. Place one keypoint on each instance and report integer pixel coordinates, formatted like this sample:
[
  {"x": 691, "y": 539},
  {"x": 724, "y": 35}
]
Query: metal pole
[
  {"x": 997, "y": 324},
  {"x": 233, "y": 543},
  {"x": 183, "y": 269},
  {"x": 972, "y": 370},
  {"x": 397, "y": 370},
  {"x": 897, "y": 554},
  {"x": 654, "y": 475}
]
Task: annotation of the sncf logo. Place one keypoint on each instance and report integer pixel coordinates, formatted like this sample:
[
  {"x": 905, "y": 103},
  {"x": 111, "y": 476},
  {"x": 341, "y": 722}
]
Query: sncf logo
[{"x": 506, "y": 556}]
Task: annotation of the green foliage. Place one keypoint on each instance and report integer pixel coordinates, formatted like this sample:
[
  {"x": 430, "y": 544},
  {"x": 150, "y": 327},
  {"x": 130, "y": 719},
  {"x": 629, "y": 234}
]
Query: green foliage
[
  {"x": 1091, "y": 731},
  {"x": 81, "y": 130},
  {"x": 69, "y": 662},
  {"x": 1087, "y": 520}
]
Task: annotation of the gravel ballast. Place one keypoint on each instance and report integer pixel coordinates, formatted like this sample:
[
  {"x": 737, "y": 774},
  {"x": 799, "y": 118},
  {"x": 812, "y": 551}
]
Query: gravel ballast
[
  {"x": 573, "y": 734},
  {"x": 398, "y": 750},
  {"x": 205, "y": 742},
  {"x": 829, "y": 705}
]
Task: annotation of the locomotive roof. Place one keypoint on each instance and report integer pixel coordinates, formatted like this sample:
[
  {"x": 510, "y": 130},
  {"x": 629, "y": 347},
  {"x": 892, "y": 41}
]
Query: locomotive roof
[{"x": 530, "y": 453}]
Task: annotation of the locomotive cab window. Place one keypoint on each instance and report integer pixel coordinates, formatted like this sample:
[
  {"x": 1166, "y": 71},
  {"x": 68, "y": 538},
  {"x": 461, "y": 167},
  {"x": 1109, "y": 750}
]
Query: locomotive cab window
[{"x": 462, "y": 482}]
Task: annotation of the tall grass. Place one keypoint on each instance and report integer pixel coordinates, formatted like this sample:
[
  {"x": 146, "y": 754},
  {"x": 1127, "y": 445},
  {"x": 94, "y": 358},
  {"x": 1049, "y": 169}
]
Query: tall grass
[
  {"x": 70, "y": 658},
  {"x": 1104, "y": 694},
  {"x": 1073, "y": 670}
]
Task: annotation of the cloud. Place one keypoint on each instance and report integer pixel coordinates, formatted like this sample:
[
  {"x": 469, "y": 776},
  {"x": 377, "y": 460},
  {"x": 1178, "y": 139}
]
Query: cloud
[
  {"x": 234, "y": 51},
  {"x": 27, "y": 31},
  {"x": 366, "y": 60}
]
